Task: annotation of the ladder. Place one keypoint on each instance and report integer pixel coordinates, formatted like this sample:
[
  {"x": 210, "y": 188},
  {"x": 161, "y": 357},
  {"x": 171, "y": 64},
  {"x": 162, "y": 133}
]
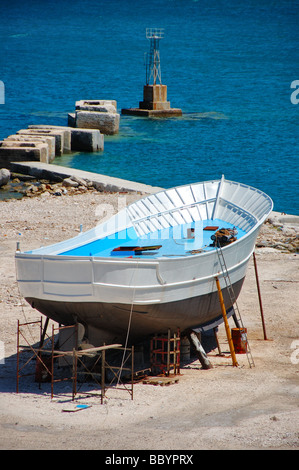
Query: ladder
[{"x": 237, "y": 314}]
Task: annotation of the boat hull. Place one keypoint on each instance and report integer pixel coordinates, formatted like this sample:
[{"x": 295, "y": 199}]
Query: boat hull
[
  {"x": 111, "y": 322},
  {"x": 98, "y": 280}
]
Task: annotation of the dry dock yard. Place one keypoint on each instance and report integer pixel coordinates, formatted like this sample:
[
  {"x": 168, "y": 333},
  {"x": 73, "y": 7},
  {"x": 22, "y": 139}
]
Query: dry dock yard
[{"x": 224, "y": 407}]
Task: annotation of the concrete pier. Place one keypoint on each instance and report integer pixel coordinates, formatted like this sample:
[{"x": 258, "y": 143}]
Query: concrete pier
[{"x": 101, "y": 182}]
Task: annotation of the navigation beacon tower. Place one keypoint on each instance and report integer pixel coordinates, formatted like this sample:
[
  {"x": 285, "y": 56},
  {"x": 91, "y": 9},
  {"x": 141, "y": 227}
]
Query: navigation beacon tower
[
  {"x": 153, "y": 69},
  {"x": 154, "y": 93}
]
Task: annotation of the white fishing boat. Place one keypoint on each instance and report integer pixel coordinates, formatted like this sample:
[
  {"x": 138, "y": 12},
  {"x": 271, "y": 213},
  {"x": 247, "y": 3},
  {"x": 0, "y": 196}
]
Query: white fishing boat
[{"x": 151, "y": 267}]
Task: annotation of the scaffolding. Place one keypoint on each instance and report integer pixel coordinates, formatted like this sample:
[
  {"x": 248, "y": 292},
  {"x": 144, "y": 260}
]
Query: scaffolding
[
  {"x": 35, "y": 351},
  {"x": 72, "y": 363},
  {"x": 99, "y": 374}
]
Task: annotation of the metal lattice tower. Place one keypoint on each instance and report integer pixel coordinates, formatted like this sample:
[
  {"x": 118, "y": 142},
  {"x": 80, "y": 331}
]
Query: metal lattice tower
[{"x": 153, "y": 69}]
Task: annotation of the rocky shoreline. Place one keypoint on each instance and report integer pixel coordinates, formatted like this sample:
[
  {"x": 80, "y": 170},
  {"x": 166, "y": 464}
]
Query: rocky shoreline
[
  {"x": 280, "y": 232},
  {"x": 29, "y": 186},
  {"x": 44, "y": 188}
]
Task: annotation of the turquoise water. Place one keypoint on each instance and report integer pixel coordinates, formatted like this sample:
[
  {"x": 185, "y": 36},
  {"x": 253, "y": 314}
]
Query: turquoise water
[{"x": 228, "y": 65}]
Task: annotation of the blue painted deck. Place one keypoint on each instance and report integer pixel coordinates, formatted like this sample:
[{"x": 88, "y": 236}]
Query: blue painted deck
[{"x": 173, "y": 241}]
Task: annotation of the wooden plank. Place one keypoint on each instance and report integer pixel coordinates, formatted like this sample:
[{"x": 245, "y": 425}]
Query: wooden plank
[
  {"x": 100, "y": 348},
  {"x": 137, "y": 248},
  {"x": 146, "y": 248},
  {"x": 212, "y": 227},
  {"x": 162, "y": 381},
  {"x": 82, "y": 352}
]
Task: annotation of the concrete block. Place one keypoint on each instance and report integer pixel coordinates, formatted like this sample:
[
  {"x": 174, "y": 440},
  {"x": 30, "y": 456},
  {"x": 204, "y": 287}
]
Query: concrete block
[
  {"x": 71, "y": 119},
  {"x": 154, "y": 105},
  {"x": 155, "y": 93},
  {"x": 161, "y": 113},
  {"x": 59, "y": 137},
  {"x": 96, "y": 105},
  {"x": 88, "y": 140},
  {"x": 50, "y": 141},
  {"x": 155, "y": 98},
  {"x": 107, "y": 123},
  {"x": 107, "y": 108},
  {"x": 43, "y": 148},
  {"x": 65, "y": 130},
  {"x": 22, "y": 151},
  {"x": 97, "y": 114}
]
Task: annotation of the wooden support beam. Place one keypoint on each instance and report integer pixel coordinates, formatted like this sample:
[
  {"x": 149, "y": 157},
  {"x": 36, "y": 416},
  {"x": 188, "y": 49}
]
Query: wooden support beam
[
  {"x": 201, "y": 354},
  {"x": 227, "y": 329}
]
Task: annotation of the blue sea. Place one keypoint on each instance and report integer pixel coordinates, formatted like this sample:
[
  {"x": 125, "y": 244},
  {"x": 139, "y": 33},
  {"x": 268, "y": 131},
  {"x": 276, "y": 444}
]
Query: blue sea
[{"x": 228, "y": 64}]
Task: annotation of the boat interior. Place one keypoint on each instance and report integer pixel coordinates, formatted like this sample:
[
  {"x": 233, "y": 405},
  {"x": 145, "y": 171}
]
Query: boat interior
[
  {"x": 175, "y": 222},
  {"x": 180, "y": 240}
]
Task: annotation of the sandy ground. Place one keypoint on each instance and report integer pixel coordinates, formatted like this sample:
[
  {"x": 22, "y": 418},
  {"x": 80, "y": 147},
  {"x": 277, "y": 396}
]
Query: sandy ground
[{"x": 225, "y": 407}]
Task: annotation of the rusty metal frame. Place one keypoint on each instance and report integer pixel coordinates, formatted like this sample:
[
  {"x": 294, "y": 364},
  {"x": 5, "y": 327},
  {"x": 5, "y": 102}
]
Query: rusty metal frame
[
  {"x": 36, "y": 352},
  {"x": 165, "y": 347},
  {"x": 39, "y": 353}
]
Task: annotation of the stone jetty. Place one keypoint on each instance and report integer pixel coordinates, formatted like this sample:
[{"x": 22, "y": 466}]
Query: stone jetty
[{"x": 43, "y": 142}]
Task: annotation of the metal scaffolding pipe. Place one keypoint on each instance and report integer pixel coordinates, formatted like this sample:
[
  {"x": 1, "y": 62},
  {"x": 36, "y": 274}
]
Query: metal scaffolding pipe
[{"x": 259, "y": 295}]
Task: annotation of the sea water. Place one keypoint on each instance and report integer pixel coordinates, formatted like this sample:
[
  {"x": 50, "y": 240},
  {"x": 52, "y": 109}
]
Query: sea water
[{"x": 228, "y": 64}]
